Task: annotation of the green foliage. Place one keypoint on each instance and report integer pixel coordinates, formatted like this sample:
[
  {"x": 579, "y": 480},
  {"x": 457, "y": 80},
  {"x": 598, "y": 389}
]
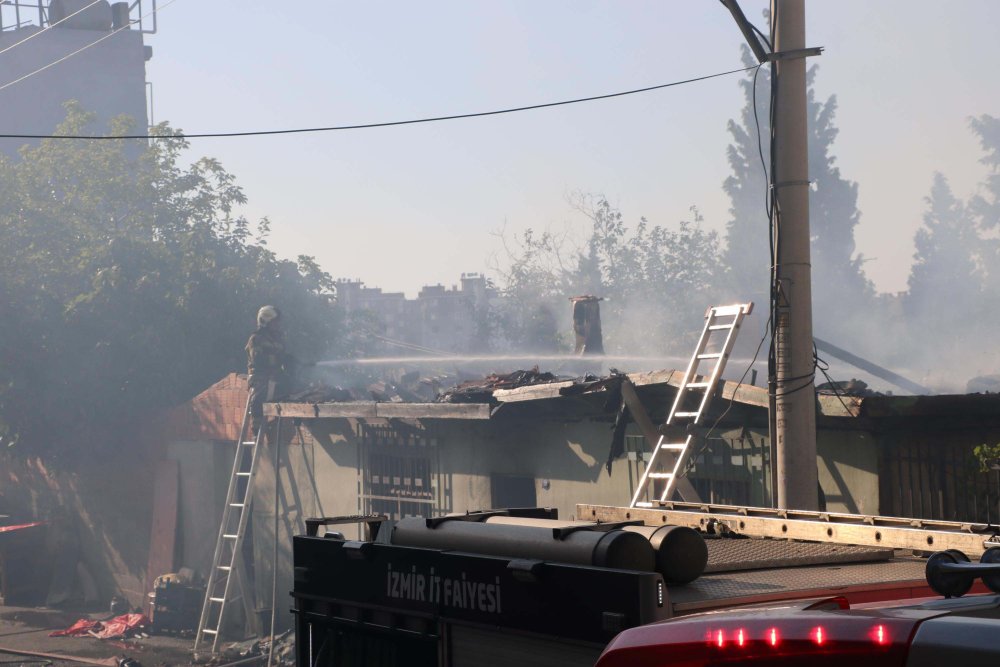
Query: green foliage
[
  {"x": 130, "y": 282},
  {"x": 833, "y": 210},
  {"x": 987, "y": 455},
  {"x": 955, "y": 277},
  {"x": 984, "y": 206},
  {"x": 655, "y": 278},
  {"x": 535, "y": 284},
  {"x": 658, "y": 278},
  {"x": 838, "y": 276},
  {"x": 746, "y": 252},
  {"x": 945, "y": 281}
]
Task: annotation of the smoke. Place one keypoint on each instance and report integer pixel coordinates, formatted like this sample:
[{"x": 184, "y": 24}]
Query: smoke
[{"x": 656, "y": 282}]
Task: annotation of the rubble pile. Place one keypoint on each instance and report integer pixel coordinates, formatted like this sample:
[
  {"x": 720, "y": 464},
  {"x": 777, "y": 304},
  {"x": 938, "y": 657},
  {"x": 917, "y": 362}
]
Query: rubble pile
[
  {"x": 481, "y": 391},
  {"x": 411, "y": 388},
  {"x": 414, "y": 388},
  {"x": 283, "y": 654},
  {"x": 852, "y": 387}
]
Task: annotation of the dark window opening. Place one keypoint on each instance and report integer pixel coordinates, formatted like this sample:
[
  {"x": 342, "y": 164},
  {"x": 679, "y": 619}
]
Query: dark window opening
[{"x": 513, "y": 491}]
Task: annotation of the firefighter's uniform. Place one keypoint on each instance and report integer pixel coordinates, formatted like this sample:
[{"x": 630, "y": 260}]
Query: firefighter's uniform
[{"x": 266, "y": 362}]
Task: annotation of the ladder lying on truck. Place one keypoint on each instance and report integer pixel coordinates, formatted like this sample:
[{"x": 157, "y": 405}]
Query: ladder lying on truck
[
  {"x": 721, "y": 322},
  {"x": 232, "y": 529},
  {"x": 922, "y": 535}
]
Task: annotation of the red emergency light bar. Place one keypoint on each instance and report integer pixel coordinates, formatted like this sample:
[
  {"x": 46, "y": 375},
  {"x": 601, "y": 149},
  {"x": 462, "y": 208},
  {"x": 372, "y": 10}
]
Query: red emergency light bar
[
  {"x": 741, "y": 636},
  {"x": 773, "y": 637}
]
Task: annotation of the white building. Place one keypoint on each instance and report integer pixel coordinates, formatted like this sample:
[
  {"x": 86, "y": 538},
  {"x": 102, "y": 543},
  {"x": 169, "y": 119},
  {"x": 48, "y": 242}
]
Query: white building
[{"x": 53, "y": 51}]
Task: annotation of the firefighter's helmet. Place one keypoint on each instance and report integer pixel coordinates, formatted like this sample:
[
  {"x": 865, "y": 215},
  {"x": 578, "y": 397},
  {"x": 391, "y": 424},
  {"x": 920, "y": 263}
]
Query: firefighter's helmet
[{"x": 266, "y": 315}]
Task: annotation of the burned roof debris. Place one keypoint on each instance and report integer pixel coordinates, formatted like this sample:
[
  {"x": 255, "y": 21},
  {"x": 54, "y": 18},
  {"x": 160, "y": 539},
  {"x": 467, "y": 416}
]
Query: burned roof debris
[
  {"x": 412, "y": 388},
  {"x": 481, "y": 391}
]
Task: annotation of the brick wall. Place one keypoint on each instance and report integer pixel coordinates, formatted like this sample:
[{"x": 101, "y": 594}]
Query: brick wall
[{"x": 214, "y": 414}]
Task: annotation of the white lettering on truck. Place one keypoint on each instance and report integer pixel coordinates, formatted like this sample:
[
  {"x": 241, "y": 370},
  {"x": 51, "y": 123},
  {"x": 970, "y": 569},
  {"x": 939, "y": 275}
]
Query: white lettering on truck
[{"x": 461, "y": 593}]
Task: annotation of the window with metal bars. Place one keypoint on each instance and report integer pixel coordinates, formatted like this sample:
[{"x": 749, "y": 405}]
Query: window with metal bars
[
  {"x": 726, "y": 471},
  {"x": 399, "y": 471}
]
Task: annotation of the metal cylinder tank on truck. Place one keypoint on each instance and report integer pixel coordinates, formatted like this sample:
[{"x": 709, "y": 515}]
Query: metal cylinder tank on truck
[
  {"x": 614, "y": 548},
  {"x": 681, "y": 552}
]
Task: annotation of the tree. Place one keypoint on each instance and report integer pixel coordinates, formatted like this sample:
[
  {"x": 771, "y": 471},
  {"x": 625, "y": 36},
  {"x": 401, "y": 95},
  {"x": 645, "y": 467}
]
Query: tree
[
  {"x": 747, "y": 253},
  {"x": 985, "y": 204},
  {"x": 130, "y": 282},
  {"x": 839, "y": 283},
  {"x": 945, "y": 280},
  {"x": 838, "y": 268},
  {"x": 656, "y": 281},
  {"x": 534, "y": 283}
]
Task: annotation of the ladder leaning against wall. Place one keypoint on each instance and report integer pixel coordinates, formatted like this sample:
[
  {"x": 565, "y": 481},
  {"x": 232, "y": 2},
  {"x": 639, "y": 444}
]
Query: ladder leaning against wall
[
  {"x": 226, "y": 563},
  {"x": 694, "y": 395}
]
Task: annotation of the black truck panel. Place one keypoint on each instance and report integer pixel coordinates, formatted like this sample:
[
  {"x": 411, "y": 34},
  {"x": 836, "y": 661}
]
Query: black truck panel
[{"x": 369, "y": 603}]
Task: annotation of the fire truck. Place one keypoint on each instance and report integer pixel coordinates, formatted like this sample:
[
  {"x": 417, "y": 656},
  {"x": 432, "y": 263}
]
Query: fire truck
[
  {"x": 673, "y": 584},
  {"x": 656, "y": 582}
]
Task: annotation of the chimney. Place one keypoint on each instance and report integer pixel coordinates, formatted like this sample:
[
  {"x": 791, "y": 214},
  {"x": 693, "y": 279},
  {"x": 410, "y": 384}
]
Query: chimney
[{"x": 587, "y": 326}]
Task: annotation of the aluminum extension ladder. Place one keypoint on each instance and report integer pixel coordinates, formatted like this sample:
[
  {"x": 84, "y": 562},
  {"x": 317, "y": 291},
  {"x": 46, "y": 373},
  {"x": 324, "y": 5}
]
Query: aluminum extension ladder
[
  {"x": 228, "y": 545},
  {"x": 719, "y": 321},
  {"x": 972, "y": 539}
]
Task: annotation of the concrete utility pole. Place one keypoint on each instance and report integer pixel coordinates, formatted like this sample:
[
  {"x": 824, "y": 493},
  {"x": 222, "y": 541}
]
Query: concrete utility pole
[{"x": 795, "y": 419}]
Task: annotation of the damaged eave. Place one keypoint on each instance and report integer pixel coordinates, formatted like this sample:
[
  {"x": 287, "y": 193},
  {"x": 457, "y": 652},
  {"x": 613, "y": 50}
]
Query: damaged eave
[
  {"x": 840, "y": 406},
  {"x": 533, "y": 392},
  {"x": 957, "y": 410},
  {"x": 742, "y": 393},
  {"x": 943, "y": 405},
  {"x": 923, "y": 413},
  {"x": 374, "y": 410},
  {"x": 656, "y": 390}
]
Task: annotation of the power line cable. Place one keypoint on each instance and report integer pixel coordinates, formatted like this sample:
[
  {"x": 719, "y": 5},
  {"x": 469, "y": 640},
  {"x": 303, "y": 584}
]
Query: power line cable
[
  {"x": 760, "y": 147},
  {"x": 768, "y": 325},
  {"x": 48, "y": 27},
  {"x": 774, "y": 285},
  {"x": 802, "y": 387},
  {"x": 74, "y": 53},
  {"x": 365, "y": 126},
  {"x": 823, "y": 366},
  {"x": 767, "y": 42}
]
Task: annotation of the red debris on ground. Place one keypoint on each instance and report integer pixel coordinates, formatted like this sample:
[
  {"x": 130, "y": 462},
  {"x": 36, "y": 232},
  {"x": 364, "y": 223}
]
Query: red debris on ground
[
  {"x": 119, "y": 627},
  {"x": 20, "y": 526}
]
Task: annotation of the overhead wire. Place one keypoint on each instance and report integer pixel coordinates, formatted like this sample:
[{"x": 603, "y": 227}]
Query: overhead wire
[
  {"x": 774, "y": 239},
  {"x": 74, "y": 53},
  {"x": 823, "y": 366},
  {"x": 763, "y": 37},
  {"x": 774, "y": 225},
  {"x": 768, "y": 329},
  {"x": 732, "y": 400},
  {"x": 365, "y": 126},
  {"x": 770, "y": 209}
]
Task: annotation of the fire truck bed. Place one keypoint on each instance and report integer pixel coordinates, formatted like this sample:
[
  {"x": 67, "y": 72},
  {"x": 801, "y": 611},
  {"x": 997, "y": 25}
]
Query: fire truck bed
[
  {"x": 899, "y": 578},
  {"x": 731, "y": 554}
]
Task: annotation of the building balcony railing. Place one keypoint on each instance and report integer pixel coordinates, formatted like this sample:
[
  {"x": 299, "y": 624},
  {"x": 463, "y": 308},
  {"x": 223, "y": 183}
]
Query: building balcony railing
[{"x": 15, "y": 14}]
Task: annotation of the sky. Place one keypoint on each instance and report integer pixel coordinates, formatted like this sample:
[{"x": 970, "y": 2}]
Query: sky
[{"x": 407, "y": 206}]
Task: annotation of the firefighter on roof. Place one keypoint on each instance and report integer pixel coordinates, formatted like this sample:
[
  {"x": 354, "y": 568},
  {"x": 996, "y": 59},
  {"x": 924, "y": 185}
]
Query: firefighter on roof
[{"x": 267, "y": 362}]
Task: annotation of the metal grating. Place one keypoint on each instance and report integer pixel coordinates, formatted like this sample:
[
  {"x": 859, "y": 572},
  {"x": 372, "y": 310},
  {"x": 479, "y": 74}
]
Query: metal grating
[
  {"x": 731, "y": 555},
  {"x": 750, "y": 587}
]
